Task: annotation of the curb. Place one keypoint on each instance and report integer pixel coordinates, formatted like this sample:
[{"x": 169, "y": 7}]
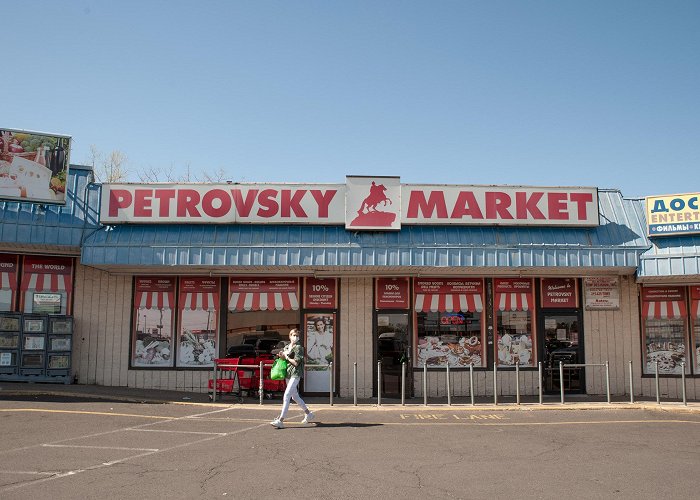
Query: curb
[{"x": 503, "y": 407}]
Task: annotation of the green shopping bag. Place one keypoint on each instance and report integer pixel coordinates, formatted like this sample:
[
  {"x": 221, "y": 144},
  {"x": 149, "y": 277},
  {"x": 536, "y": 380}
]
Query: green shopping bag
[{"x": 279, "y": 369}]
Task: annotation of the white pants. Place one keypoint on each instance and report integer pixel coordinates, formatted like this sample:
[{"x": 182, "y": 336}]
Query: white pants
[{"x": 292, "y": 392}]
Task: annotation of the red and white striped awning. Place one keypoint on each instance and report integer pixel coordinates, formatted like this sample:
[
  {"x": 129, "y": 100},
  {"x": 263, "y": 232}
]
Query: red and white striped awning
[
  {"x": 263, "y": 301},
  {"x": 695, "y": 309},
  {"x": 448, "y": 302},
  {"x": 199, "y": 301},
  {"x": 155, "y": 300},
  {"x": 41, "y": 282},
  {"x": 8, "y": 281},
  {"x": 664, "y": 309},
  {"x": 514, "y": 301}
]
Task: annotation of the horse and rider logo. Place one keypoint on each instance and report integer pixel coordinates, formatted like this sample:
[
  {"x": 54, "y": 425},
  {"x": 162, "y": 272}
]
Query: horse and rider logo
[{"x": 379, "y": 205}]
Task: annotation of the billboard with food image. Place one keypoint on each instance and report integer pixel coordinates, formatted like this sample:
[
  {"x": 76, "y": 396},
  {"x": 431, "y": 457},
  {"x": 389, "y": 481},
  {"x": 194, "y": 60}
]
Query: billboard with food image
[{"x": 33, "y": 166}]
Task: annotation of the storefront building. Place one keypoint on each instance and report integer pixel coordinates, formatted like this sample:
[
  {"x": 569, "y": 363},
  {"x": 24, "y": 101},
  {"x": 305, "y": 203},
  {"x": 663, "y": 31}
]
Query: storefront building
[
  {"x": 371, "y": 270},
  {"x": 39, "y": 249},
  {"x": 669, "y": 278}
]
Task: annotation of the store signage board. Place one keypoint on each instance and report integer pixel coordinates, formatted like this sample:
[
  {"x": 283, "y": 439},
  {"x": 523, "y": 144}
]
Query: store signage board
[
  {"x": 559, "y": 293},
  {"x": 391, "y": 293},
  {"x": 512, "y": 285},
  {"x": 263, "y": 285},
  {"x": 199, "y": 285},
  {"x": 33, "y": 166},
  {"x": 155, "y": 284},
  {"x": 601, "y": 293},
  {"x": 673, "y": 214},
  {"x": 662, "y": 293},
  {"x": 448, "y": 285},
  {"x": 363, "y": 203},
  {"x": 42, "y": 265},
  {"x": 320, "y": 293}
]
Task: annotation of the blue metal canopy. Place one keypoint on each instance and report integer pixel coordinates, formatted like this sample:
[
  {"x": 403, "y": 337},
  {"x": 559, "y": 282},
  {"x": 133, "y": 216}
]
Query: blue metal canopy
[
  {"x": 54, "y": 228},
  {"x": 671, "y": 256},
  {"x": 616, "y": 243}
]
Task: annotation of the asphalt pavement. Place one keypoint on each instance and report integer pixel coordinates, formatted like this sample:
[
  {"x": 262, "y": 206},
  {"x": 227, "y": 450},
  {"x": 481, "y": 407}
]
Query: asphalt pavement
[{"x": 90, "y": 441}]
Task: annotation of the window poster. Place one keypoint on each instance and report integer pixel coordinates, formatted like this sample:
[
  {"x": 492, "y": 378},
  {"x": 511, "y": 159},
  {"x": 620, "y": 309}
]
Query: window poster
[
  {"x": 154, "y": 300},
  {"x": 199, "y": 304},
  {"x": 319, "y": 330}
]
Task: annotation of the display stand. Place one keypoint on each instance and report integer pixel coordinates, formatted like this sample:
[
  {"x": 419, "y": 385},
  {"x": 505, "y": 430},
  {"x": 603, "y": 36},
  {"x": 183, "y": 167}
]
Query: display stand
[{"x": 35, "y": 348}]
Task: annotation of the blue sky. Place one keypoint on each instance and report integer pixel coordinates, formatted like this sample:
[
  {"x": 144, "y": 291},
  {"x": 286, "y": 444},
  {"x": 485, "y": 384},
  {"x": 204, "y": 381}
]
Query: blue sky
[{"x": 574, "y": 93}]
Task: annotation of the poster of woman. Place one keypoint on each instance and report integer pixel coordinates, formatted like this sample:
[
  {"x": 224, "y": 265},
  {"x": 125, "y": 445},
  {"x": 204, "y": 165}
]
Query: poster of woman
[{"x": 319, "y": 330}]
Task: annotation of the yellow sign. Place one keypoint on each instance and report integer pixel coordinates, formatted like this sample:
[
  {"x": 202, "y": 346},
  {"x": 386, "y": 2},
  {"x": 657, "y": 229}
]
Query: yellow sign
[{"x": 673, "y": 214}]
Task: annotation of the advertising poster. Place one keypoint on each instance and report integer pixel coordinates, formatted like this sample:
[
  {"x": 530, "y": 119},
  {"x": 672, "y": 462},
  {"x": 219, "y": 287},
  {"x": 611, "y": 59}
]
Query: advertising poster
[
  {"x": 319, "y": 332},
  {"x": 8, "y": 281},
  {"x": 154, "y": 303},
  {"x": 33, "y": 166},
  {"x": 199, "y": 299}
]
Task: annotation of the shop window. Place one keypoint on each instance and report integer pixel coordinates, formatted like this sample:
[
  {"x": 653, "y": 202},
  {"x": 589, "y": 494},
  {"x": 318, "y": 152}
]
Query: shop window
[
  {"x": 262, "y": 311},
  {"x": 513, "y": 313},
  {"x": 664, "y": 325},
  {"x": 154, "y": 303},
  {"x": 8, "y": 282},
  {"x": 199, "y": 304},
  {"x": 47, "y": 285},
  {"x": 695, "y": 318},
  {"x": 449, "y": 322}
]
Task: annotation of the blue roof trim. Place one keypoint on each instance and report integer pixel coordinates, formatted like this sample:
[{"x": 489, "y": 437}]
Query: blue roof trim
[
  {"x": 617, "y": 242},
  {"x": 53, "y": 227},
  {"x": 671, "y": 256}
]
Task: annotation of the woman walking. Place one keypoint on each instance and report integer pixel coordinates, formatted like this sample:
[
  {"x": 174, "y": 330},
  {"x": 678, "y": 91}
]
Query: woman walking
[{"x": 294, "y": 354}]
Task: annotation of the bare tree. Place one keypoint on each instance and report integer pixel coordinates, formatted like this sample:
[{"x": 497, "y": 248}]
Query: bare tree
[{"x": 110, "y": 168}]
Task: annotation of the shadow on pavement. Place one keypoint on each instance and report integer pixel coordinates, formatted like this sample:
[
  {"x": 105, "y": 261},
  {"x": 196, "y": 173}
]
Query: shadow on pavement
[{"x": 347, "y": 424}]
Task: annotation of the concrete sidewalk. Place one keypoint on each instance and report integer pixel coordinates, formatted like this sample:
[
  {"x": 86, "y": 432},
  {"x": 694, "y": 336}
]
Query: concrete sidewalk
[{"x": 15, "y": 390}]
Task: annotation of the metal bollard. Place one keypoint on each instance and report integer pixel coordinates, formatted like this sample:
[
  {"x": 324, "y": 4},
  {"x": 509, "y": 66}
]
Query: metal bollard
[
  {"x": 403, "y": 384},
  {"x": 379, "y": 383},
  {"x": 471, "y": 382},
  {"x": 213, "y": 397},
  {"x": 685, "y": 401},
  {"x": 449, "y": 396},
  {"x": 607, "y": 380},
  {"x": 658, "y": 390},
  {"x": 631, "y": 385},
  {"x": 261, "y": 386},
  {"x": 495, "y": 384},
  {"x": 331, "y": 378},
  {"x": 517, "y": 383},
  {"x": 539, "y": 386},
  {"x": 354, "y": 383},
  {"x": 561, "y": 380},
  {"x": 425, "y": 384}
]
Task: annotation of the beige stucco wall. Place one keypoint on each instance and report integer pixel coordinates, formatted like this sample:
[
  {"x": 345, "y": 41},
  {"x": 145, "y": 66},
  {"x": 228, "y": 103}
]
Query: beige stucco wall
[{"x": 102, "y": 310}]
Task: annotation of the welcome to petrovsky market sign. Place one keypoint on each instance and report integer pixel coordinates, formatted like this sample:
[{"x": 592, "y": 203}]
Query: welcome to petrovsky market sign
[{"x": 362, "y": 203}]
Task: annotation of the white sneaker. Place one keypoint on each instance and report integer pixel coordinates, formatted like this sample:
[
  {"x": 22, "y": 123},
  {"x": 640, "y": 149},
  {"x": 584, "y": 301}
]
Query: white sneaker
[
  {"x": 277, "y": 423},
  {"x": 308, "y": 418}
]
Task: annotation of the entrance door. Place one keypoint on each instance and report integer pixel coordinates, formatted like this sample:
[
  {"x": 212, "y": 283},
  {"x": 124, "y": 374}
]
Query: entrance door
[
  {"x": 392, "y": 347},
  {"x": 563, "y": 342}
]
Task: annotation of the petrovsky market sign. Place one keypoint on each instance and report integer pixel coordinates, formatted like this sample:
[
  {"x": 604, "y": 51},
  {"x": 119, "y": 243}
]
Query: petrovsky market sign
[
  {"x": 363, "y": 203},
  {"x": 673, "y": 214}
]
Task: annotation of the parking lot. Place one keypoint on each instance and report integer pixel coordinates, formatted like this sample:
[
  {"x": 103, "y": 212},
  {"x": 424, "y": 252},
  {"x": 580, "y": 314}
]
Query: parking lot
[{"x": 66, "y": 447}]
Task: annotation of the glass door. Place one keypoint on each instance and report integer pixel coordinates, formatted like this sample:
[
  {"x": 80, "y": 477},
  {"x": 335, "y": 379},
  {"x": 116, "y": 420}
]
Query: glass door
[
  {"x": 563, "y": 343},
  {"x": 392, "y": 348}
]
